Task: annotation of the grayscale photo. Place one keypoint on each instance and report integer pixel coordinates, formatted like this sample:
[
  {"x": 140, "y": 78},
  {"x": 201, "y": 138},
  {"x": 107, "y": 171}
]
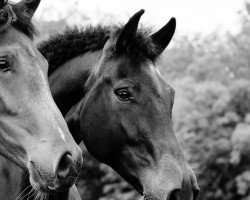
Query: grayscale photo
[{"x": 124, "y": 100}]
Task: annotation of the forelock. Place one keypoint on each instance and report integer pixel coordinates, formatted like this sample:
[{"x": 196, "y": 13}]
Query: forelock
[
  {"x": 13, "y": 15},
  {"x": 140, "y": 47}
]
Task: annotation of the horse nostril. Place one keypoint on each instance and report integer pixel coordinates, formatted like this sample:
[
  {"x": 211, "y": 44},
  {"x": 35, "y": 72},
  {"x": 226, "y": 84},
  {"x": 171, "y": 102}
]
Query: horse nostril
[
  {"x": 196, "y": 193},
  {"x": 175, "y": 195},
  {"x": 64, "y": 165}
]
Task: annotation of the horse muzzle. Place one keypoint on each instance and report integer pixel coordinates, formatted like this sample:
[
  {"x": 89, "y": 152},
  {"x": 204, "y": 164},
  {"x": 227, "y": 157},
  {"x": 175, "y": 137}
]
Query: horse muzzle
[
  {"x": 55, "y": 172},
  {"x": 177, "y": 184}
]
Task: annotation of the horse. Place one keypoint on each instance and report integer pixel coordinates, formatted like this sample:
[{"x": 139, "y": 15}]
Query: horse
[
  {"x": 33, "y": 133},
  {"x": 106, "y": 83}
]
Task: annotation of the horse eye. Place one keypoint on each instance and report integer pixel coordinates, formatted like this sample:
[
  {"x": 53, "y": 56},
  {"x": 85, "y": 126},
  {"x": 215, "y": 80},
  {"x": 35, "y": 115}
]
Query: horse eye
[
  {"x": 4, "y": 66},
  {"x": 124, "y": 95}
]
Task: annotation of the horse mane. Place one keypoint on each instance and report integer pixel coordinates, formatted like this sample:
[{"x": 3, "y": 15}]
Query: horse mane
[
  {"x": 77, "y": 41},
  {"x": 11, "y": 14},
  {"x": 71, "y": 43}
]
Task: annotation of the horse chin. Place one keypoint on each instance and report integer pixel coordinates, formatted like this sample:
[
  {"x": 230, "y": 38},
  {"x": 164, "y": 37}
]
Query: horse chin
[
  {"x": 38, "y": 191},
  {"x": 37, "y": 181},
  {"x": 38, "y": 184}
]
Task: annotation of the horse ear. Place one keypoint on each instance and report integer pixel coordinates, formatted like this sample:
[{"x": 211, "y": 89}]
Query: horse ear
[
  {"x": 162, "y": 37},
  {"x": 30, "y": 6},
  {"x": 128, "y": 31}
]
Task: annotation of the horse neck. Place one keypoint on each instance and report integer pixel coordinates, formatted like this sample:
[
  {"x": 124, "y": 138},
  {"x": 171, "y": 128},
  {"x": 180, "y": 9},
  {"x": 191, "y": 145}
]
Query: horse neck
[{"x": 66, "y": 83}]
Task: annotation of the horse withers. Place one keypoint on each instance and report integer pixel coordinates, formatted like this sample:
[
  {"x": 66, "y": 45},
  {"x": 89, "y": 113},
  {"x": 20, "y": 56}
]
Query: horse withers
[
  {"x": 106, "y": 82},
  {"x": 33, "y": 133}
]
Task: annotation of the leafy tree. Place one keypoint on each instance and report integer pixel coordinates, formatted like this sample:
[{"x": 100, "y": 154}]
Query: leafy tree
[{"x": 215, "y": 130}]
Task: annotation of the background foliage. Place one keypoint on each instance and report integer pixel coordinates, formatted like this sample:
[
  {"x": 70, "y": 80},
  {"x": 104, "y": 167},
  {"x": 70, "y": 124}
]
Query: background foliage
[{"x": 211, "y": 76}]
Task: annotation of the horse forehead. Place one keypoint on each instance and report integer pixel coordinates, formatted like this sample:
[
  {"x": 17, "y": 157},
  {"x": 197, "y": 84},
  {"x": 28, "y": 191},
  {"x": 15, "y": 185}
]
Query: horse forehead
[
  {"x": 145, "y": 73},
  {"x": 17, "y": 43},
  {"x": 17, "y": 49}
]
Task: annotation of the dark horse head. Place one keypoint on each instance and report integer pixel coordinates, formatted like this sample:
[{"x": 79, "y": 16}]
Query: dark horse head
[
  {"x": 33, "y": 133},
  {"x": 127, "y": 115},
  {"x": 113, "y": 96}
]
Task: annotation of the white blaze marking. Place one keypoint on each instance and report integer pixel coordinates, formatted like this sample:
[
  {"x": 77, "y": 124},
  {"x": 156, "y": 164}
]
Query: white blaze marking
[{"x": 61, "y": 133}]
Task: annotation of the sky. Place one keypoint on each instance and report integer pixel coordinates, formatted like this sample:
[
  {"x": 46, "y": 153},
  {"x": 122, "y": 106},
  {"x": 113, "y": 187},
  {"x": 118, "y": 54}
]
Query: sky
[{"x": 193, "y": 16}]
